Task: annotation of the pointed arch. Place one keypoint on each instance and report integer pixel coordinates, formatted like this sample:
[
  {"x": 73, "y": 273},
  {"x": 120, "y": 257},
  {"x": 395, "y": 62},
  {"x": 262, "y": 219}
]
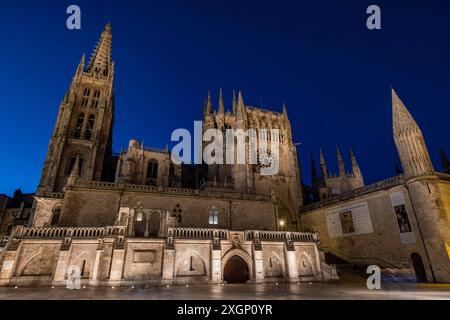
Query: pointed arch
[
  {"x": 242, "y": 254},
  {"x": 79, "y": 126}
]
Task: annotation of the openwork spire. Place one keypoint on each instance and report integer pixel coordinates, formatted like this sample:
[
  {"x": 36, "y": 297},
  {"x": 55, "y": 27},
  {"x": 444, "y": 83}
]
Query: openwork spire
[
  {"x": 323, "y": 164},
  {"x": 409, "y": 141},
  {"x": 100, "y": 64},
  {"x": 401, "y": 118},
  {"x": 340, "y": 161},
  {"x": 221, "y": 104}
]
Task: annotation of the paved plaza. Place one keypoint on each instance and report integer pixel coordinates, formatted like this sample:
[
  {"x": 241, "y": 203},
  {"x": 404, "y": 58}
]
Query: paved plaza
[{"x": 236, "y": 292}]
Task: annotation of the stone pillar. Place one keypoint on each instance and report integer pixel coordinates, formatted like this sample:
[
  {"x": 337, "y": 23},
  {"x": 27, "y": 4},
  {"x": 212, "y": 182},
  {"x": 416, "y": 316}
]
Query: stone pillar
[
  {"x": 291, "y": 264},
  {"x": 216, "y": 266},
  {"x": 169, "y": 265},
  {"x": 259, "y": 266},
  {"x": 63, "y": 263},
  {"x": 319, "y": 275},
  {"x": 8, "y": 266},
  {"x": 117, "y": 262},
  {"x": 94, "y": 279}
]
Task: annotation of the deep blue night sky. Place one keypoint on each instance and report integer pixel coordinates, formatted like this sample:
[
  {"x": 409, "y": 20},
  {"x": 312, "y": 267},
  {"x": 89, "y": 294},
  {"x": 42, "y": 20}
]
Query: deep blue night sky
[{"x": 333, "y": 73}]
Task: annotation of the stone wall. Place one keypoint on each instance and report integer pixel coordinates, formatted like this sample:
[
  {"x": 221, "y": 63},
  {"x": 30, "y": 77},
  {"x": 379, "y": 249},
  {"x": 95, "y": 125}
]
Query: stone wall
[
  {"x": 31, "y": 261},
  {"x": 95, "y": 207},
  {"x": 427, "y": 208}
]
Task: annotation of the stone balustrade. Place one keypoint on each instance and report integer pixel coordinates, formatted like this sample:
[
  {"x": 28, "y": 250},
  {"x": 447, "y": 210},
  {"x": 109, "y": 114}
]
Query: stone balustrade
[
  {"x": 380, "y": 185},
  {"x": 169, "y": 190},
  {"x": 62, "y": 232},
  {"x": 53, "y": 195},
  {"x": 194, "y": 233},
  {"x": 282, "y": 236},
  {"x": 443, "y": 176}
]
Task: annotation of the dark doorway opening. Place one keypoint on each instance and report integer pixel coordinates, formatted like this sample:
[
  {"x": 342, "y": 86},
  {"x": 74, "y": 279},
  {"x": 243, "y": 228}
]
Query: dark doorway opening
[
  {"x": 419, "y": 269},
  {"x": 236, "y": 270}
]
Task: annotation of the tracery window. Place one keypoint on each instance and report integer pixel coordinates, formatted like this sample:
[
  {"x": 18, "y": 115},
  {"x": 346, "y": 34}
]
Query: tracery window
[
  {"x": 178, "y": 213},
  {"x": 78, "y": 126},
  {"x": 152, "y": 172},
  {"x": 96, "y": 99},
  {"x": 71, "y": 164},
  {"x": 89, "y": 127},
  {"x": 86, "y": 95},
  {"x": 213, "y": 216},
  {"x": 56, "y": 214}
]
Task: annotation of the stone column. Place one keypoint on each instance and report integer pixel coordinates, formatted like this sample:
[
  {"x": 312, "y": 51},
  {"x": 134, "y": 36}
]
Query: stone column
[
  {"x": 94, "y": 279},
  {"x": 117, "y": 262},
  {"x": 8, "y": 266},
  {"x": 319, "y": 275},
  {"x": 169, "y": 265},
  {"x": 259, "y": 266},
  {"x": 291, "y": 264},
  {"x": 216, "y": 266},
  {"x": 63, "y": 262}
]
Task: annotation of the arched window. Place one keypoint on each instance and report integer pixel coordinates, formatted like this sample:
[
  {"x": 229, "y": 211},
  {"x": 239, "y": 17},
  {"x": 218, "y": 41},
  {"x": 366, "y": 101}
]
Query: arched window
[
  {"x": 79, "y": 126},
  {"x": 56, "y": 214},
  {"x": 89, "y": 127},
  {"x": 152, "y": 172},
  {"x": 213, "y": 216},
  {"x": 86, "y": 95},
  {"x": 71, "y": 164},
  {"x": 96, "y": 99}
]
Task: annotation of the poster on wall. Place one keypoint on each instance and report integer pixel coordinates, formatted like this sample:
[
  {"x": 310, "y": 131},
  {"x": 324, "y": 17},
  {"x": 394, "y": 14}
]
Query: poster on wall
[
  {"x": 401, "y": 215},
  {"x": 349, "y": 221}
]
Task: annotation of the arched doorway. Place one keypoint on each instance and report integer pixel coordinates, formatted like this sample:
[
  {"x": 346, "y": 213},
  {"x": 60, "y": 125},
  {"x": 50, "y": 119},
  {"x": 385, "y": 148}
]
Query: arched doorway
[
  {"x": 419, "y": 269},
  {"x": 236, "y": 270}
]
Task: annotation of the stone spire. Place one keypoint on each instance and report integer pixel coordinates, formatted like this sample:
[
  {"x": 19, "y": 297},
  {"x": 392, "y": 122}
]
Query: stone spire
[
  {"x": 221, "y": 105},
  {"x": 234, "y": 102},
  {"x": 100, "y": 64},
  {"x": 355, "y": 166},
  {"x": 241, "y": 113},
  {"x": 444, "y": 160},
  {"x": 409, "y": 141},
  {"x": 314, "y": 177},
  {"x": 341, "y": 163},
  {"x": 208, "y": 104},
  {"x": 323, "y": 165},
  {"x": 286, "y": 117}
]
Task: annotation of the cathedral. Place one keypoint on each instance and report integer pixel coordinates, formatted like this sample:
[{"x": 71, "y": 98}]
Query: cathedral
[{"x": 139, "y": 218}]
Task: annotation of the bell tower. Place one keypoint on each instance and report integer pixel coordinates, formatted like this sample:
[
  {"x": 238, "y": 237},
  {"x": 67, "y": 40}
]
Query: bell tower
[{"x": 83, "y": 129}]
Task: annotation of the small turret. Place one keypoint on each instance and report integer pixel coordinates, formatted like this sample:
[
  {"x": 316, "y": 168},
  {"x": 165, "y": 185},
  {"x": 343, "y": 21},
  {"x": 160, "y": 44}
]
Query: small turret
[
  {"x": 221, "y": 104},
  {"x": 341, "y": 164},
  {"x": 356, "y": 170},
  {"x": 444, "y": 160},
  {"x": 323, "y": 165}
]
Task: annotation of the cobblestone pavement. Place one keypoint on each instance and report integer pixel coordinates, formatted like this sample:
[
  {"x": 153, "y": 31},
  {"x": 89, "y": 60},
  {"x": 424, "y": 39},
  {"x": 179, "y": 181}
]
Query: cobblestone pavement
[{"x": 235, "y": 292}]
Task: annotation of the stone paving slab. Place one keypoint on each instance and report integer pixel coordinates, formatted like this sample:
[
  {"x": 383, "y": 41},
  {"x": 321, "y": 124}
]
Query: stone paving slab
[{"x": 235, "y": 292}]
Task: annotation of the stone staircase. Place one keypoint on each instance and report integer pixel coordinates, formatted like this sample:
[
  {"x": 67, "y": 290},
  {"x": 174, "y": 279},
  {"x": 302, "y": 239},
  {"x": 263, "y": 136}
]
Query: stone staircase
[{"x": 356, "y": 274}]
